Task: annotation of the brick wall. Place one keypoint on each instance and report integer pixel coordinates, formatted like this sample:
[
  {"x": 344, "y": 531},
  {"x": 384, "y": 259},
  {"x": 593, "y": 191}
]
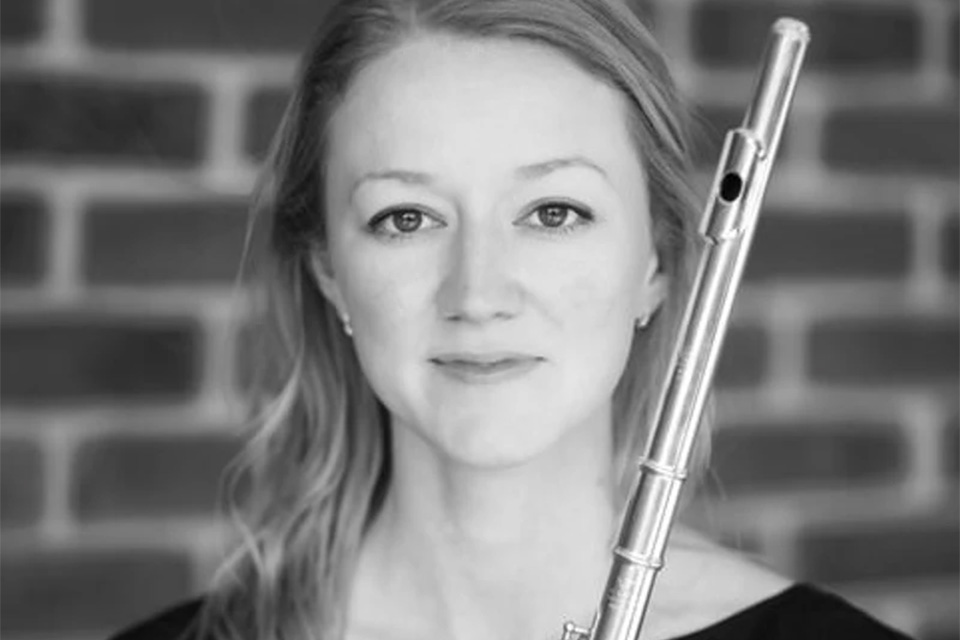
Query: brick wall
[{"x": 131, "y": 130}]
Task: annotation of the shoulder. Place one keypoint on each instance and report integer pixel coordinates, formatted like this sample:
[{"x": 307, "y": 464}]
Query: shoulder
[
  {"x": 703, "y": 582},
  {"x": 178, "y": 622},
  {"x": 801, "y": 612},
  {"x": 718, "y": 594}
]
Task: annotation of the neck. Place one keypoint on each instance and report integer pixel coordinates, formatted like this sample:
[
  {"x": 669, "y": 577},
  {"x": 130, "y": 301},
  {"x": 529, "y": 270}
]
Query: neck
[{"x": 497, "y": 551}]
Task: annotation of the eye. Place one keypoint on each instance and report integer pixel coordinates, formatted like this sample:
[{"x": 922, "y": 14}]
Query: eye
[
  {"x": 401, "y": 221},
  {"x": 558, "y": 216}
]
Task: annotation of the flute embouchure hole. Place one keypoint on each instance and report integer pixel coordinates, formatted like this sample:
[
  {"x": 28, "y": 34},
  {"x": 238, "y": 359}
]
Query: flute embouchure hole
[{"x": 730, "y": 187}]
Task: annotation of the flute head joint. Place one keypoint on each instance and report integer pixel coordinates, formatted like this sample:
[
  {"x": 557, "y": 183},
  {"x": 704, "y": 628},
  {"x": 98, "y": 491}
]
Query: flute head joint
[{"x": 792, "y": 28}]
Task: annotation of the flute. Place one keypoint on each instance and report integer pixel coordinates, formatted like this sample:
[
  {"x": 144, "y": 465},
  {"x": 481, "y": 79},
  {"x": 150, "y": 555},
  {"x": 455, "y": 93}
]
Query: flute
[{"x": 727, "y": 229}]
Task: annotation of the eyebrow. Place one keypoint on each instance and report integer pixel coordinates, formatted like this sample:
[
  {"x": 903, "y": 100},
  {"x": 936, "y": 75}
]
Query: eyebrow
[{"x": 525, "y": 172}]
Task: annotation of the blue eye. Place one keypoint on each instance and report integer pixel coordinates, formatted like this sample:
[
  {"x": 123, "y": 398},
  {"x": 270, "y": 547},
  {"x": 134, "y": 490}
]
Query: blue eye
[
  {"x": 400, "y": 221},
  {"x": 558, "y": 217}
]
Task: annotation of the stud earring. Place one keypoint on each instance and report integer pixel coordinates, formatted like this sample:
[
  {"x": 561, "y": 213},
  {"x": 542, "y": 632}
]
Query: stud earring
[{"x": 642, "y": 322}]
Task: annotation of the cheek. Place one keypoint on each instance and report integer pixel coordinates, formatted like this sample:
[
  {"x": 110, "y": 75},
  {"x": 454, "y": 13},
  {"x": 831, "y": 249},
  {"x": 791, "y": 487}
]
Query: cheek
[
  {"x": 389, "y": 306},
  {"x": 595, "y": 309},
  {"x": 597, "y": 297},
  {"x": 384, "y": 307},
  {"x": 377, "y": 290}
]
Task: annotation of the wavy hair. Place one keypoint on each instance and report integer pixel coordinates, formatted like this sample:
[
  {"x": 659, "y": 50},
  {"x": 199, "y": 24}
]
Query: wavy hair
[{"x": 316, "y": 467}]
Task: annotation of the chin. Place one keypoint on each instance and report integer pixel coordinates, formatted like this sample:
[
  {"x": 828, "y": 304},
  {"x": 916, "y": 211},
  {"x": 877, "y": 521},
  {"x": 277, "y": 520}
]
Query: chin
[{"x": 490, "y": 442}]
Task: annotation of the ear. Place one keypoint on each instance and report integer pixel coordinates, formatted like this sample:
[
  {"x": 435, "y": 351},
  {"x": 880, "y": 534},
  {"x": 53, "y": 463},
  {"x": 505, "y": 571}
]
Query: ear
[
  {"x": 654, "y": 290},
  {"x": 321, "y": 268}
]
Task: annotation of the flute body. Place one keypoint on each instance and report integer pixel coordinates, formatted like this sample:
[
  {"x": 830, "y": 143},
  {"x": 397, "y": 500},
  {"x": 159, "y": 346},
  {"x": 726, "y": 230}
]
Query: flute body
[{"x": 727, "y": 230}]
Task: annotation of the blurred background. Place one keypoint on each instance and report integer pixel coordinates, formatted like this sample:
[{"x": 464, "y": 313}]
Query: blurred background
[{"x": 131, "y": 134}]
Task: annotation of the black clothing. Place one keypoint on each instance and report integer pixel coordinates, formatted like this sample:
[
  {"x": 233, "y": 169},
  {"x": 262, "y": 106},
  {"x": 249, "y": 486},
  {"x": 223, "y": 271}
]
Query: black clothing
[{"x": 801, "y": 612}]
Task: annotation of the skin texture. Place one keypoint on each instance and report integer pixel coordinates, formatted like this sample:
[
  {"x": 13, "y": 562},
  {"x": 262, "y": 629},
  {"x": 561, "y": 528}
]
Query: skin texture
[{"x": 499, "y": 516}]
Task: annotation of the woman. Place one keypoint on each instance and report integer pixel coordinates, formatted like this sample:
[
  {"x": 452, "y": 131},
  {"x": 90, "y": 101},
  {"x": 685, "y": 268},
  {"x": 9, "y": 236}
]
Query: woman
[{"x": 480, "y": 235}]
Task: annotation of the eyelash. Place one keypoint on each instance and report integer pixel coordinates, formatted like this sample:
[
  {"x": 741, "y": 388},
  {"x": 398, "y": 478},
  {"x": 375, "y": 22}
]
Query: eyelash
[
  {"x": 375, "y": 224},
  {"x": 583, "y": 214},
  {"x": 584, "y": 217}
]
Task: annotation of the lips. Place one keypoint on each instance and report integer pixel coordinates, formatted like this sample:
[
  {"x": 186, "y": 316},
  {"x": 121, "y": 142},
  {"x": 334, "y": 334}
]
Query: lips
[
  {"x": 487, "y": 367},
  {"x": 484, "y": 359}
]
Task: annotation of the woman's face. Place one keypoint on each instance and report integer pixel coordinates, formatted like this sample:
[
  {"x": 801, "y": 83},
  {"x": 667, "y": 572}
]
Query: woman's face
[{"x": 489, "y": 238}]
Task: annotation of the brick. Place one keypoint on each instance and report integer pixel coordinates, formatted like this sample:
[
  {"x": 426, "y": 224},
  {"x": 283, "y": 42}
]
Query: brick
[
  {"x": 60, "y": 119},
  {"x": 247, "y": 26},
  {"x": 954, "y": 51},
  {"x": 131, "y": 476},
  {"x": 885, "y": 350},
  {"x": 950, "y": 246},
  {"x": 73, "y": 592},
  {"x": 56, "y": 359},
  {"x": 164, "y": 243},
  {"x": 846, "y": 37},
  {"x": 743, "y": 361},
  {"x": 20, "y": 20},
  {"x": 803, "y": 455},
  {"x": 791, "y": 245},
  {"x": 23, "y": 230},
  {"x": 908, "y": 140},
  {"x": 264, "y": 112},
  {"x": 881, "y": 551},
  {"x": 21, "y": 483},
  {"x": 951, "y": 448}
]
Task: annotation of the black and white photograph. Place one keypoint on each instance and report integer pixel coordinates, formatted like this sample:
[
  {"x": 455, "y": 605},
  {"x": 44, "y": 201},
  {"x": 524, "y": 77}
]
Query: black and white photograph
[{"x": 470, "y": 319}]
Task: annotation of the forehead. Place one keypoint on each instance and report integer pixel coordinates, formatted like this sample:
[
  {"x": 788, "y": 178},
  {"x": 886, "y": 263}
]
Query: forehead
[{"x": 442, "y": 102}]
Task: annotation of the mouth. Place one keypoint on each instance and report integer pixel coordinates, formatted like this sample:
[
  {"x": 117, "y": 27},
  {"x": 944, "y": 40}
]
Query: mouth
[
  {"x": 487, "y": 358},
  {"x": 485, "y": 368}
]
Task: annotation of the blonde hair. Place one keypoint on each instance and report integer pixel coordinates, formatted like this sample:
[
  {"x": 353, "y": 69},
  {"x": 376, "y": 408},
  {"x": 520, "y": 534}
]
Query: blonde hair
[{"x": 317, "y": 466}]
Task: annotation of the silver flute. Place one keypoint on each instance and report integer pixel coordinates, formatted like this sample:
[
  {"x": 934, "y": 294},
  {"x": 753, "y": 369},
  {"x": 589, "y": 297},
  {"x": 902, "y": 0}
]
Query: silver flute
[{"x": 727, "y": 229}]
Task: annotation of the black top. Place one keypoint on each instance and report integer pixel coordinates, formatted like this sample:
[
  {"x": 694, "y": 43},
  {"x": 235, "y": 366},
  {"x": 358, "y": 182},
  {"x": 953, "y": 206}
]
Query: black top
[{"x": 801, "y": 612}]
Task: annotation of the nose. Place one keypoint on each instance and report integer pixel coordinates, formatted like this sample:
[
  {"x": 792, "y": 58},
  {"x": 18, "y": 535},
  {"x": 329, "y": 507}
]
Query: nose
[{"x": 480, "y": 282}]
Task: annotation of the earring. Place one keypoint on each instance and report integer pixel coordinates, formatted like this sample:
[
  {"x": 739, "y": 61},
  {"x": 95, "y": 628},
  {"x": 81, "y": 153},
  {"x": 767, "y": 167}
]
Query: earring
[
  {"x": 642, "y": 322},
  {"x": 347, "y": 327}
]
